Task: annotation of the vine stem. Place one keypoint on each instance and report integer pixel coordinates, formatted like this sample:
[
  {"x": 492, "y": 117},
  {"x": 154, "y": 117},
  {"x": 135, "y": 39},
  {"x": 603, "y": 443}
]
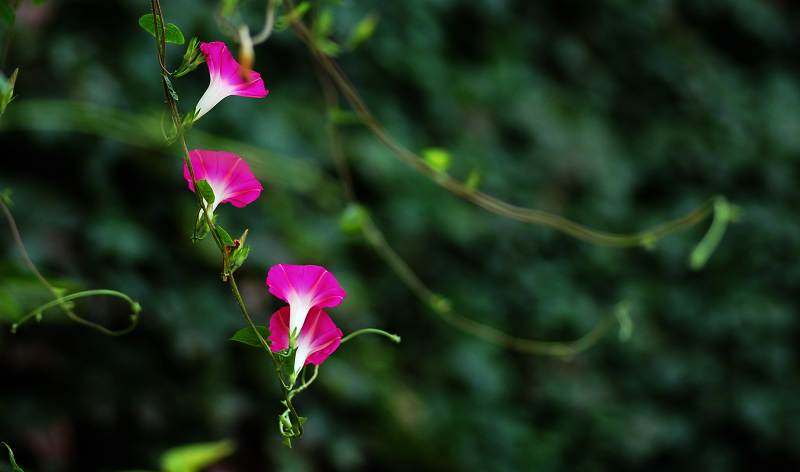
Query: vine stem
[
  {"x": 55, "y": 292},
  {"x": 439, "y": 305},
  {"x": 297, "y": 428},
  {"x": 488, "y": 202},
  {"x": 59, "y": 302}
]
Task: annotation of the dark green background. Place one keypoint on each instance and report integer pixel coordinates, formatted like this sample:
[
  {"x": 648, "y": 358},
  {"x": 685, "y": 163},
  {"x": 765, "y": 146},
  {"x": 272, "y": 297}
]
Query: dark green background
[{"x": 617, "y": 114}]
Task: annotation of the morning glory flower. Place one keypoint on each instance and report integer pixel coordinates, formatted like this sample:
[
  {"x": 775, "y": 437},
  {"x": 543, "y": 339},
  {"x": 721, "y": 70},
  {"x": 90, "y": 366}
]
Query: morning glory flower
[
  {"x": 228, "y": 175},
  {"x": 317, "y": 340},
  {"x": 227, "y": 78},
  {"x": 304, "y": 288}
]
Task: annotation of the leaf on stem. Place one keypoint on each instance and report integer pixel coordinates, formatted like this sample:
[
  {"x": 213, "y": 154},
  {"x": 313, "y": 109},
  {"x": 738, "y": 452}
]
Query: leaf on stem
[
  {"x": 248, "y": 337},
  {"x": 206, "y": 191},
  {"x": 437, "y": 158},
  {"x": 296, "y": 14},
  {"x": 363, "y": 31},
  {"x": 12, "y": 460},
  {"x": 172, "y": 34},
  {"x": 196, "y": 457},
  {"x": 7, "y": 89},
  {"x": 353, "y": 219},
  {"x": 226, "y": 238}
]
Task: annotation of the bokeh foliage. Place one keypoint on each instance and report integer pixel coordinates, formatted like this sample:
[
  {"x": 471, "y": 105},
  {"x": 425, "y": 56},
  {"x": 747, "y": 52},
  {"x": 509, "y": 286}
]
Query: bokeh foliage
[{"x": 616, "y": 114}]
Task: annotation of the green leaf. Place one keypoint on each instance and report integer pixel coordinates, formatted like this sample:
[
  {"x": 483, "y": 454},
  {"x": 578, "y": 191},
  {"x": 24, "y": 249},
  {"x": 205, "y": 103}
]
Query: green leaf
[
  {"x": 363, "y": 31},
  {"x": 239, "y": 256},
  {"x": 438, "y": 159},
  {"x": 192, "y": 59},
  {"x": 195, "y": 457},
  {"x": 247, "y": 336},
  {"x": 170, "y": 87},
  {"x": 206, "y": 191},
  {"x": 7, "y": 13},
  {"x": 339, "y": 116},
  {"x": 286, "y": 20},
  {"x": 328, "y": 47},
  {"x": 324, "y": 22},
  {"x": 39, "y": 2},
  {"x": 7, "y": 89},
  {"x": 226, "y": 238},
  {"x": 172, "y": 34},
  {"x": 14, "y": 466},
  {"x": 5, "y": 197},
  {"x": 353, "y": 219}
]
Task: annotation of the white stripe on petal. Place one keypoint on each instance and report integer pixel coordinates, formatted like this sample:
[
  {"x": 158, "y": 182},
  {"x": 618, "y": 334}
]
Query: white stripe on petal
[{"x": 216, "y": 91}]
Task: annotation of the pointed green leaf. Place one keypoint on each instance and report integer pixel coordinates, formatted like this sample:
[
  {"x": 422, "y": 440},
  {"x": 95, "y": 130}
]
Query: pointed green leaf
[
  {"x": 438, "y": 159},
  {"x": 226, "y": 238},
  {"x": 206, "y": 191},
  {"x": 353, "y": 219},
  {"x": 239, "y": 256},
  {"x": 12, "y": 460},
  {"x": 286, "y": 20},
  {"x": 363, "y": 31},
  {"x": 5, "y": 197},
  {"x": 247, "y": 336},
  {"x": 172, "y": 34},
  {"x": 170, "y": 87},
  {"x": 324, "y": 22},
  {"x": 195, "y": 457},
  {"x": 7, "y": 89}
]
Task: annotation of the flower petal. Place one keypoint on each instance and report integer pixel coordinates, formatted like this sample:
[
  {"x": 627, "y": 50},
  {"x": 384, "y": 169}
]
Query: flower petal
[
  {"x": 318, "y": 339},
  {"x": 304, "y": 287},
  {"x": 279, "y": 330},
  {"x": 228, "y": 174},
  {"x": 226, "y": 78}
]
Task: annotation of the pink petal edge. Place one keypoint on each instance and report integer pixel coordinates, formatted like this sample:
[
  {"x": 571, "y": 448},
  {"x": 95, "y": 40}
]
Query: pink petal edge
[
  {"x": 228, "y": 174},
  {"x": 318, "y": 339}
]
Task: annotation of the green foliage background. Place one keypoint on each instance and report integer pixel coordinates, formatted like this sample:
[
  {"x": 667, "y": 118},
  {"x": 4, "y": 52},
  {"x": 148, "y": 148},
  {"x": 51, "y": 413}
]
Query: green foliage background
[{"x": 616, "y": 114}]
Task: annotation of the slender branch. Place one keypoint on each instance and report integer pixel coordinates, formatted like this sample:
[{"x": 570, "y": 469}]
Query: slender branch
[
  {"x": 488, "y": 202},
  {"x": 436, "y": 303},
  {"x": 443, "y": 308},
  {"x": 60, "y": 300},
  {"x": 296, "y": 424}
]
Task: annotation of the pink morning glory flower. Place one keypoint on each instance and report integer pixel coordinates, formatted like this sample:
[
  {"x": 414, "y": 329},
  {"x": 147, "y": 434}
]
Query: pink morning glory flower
[
  {"x": 304, "y": 288},
  {"x": 228, "y": 175},
  {"x": 227, "y": 78},
  {"x": 318, "y": 338}
]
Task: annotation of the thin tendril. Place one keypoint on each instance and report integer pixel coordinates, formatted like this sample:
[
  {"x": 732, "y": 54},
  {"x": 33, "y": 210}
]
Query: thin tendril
[
  {"x": 60, "y": 299},
  {"x": 59, "y": 302},
  {"x": 307, "y": 383},
  {"x": 488, "y": 202},
  {"x": 395, "y": 338},
  {"x": 436, "y": 303}
]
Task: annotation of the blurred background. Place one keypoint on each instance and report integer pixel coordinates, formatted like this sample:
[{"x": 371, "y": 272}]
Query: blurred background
[{"x": 616, "y": 114}]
